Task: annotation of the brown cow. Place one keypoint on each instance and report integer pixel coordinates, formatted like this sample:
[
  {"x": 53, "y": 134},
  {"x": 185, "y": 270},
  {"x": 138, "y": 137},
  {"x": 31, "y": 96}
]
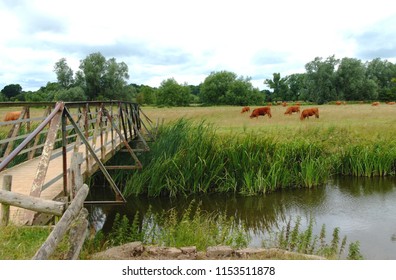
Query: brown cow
[
  {"x": 12, "y": 116},
  {"x": 338, "y": 102},
  {"x": 262, "y": 111},
  {"x": 391, "y": 103},
  {"x": 292, "y": 109},
  {"x": 306, "y": 113},
  {"x": 245, "y": 109},
  {"x": 375, "y": 104}
]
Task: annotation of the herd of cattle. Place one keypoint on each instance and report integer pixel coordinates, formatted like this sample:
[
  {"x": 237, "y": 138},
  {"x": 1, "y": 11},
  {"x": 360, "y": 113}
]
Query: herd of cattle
[
  {"x": 262, "y": 111},
  {"x": 306, "y": 113}
]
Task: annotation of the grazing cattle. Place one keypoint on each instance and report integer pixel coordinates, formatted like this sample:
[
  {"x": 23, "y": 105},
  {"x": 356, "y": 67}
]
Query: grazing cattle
[
  {"x": 338, "y": 102},
  {"x": 284, "y": 104},
  {"x": 375, "y": 104},
  {"x": 306, "y": 113},
  {"x": 245, "y": 109},
  {"x": 391, "y": 103},
  {"x": 292, "y": 109},
  {"x": 262, "y": 111},
  {"x": 12, "y": 116}
]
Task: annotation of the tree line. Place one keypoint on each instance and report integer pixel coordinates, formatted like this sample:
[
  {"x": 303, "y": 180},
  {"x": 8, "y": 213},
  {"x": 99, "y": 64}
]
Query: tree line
[{"x": 324, "y": 80}]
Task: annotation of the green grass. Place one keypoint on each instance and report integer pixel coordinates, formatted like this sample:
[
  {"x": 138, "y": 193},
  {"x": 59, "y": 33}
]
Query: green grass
[{"x": 21, "y": 243}]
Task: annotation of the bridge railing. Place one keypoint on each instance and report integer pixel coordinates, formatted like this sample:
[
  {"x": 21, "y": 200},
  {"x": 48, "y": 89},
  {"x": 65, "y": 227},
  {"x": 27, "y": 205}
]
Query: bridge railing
[{"x": 46, "y": 132}]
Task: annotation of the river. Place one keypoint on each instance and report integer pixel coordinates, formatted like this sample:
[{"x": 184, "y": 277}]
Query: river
[{"x": 364, "y": 209}]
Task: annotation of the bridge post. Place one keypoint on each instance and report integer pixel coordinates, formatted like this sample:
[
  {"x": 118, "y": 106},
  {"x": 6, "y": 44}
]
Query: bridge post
[
  {"x": 76, "y": 178},
  {"x": 5, "y": 208}
]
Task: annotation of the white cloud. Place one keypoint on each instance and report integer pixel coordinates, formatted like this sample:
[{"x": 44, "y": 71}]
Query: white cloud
[{"x": 188, "y": 39}]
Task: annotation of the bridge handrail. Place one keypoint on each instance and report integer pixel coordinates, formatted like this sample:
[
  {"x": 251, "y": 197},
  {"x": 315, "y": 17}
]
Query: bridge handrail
[{"x": 58, "y": 107}]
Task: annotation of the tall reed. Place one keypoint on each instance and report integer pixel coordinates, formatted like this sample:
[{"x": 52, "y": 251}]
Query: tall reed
[{"x": 191, "y": 158}]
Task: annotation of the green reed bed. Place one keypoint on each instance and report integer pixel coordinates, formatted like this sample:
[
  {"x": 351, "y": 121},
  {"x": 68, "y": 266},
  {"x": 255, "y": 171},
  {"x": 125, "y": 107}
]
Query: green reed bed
[{"x": 189, "y": 159}]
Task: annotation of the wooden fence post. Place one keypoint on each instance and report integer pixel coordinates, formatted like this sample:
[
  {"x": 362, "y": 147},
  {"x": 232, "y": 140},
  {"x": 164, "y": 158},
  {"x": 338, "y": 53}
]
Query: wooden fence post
[
  {"x": 5, "y": 208},
  {"x": 61, "y": 227}
]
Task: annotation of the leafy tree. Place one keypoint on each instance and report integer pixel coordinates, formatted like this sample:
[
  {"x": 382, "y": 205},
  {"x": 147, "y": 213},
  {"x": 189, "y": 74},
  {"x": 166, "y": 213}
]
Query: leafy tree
[
  {"x": 114, "y": 80},
  {"x": 45, "y": 93},
  {"x": 226, "y": 88},
  {"x": 11, "y": 90},
  {"x": 241, "y": 92},
  {"x": 71, "y": 94},
  {"x": 101, "y": 78},
  {"x": 351, "y": 81},
  {"x": 148, "y": 94},
  {"x": 64, "y": 73},
  {"x": 93, "y": 69},
  {"x": 170, "y": 93},
  {"x": 382, "y": 72},
  {"x": 296, "y": 86},
  {"x": 279, "y": 87},
  {"x": 216, "y": 86},
  {"x": 320, "y": 79}
]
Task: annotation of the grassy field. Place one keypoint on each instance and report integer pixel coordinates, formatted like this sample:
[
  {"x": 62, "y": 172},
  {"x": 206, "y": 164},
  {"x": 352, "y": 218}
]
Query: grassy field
[{"x": 359, "y": 120}]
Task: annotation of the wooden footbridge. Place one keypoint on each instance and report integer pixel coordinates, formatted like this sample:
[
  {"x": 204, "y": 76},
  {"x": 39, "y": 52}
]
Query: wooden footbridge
[{"x": 50, "y": 143}]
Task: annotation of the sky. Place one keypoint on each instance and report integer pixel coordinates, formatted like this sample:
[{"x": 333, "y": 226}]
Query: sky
[{"x": 187, "y": 40}]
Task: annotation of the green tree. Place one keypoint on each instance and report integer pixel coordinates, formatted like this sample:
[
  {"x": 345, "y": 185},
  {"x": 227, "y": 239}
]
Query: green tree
[
  {"x": 71, "y": 94},
  {"x": 279, "y": 87},
  {"x": 114, "y": 79},
  {"x": 215, "y": 87},
  {"x": 64, "y": 73},
  {"x": 11, "y": 90},
  {"x": 93, "y": 68},
  {"x": 226, "y": 88},
  {"x": 148, "y": 94},
  {"x": 382, "y": 72},
  {"x": 351, "y": 81},
  {"x": 242, "y": 92},
  {"x": 320, "y": 79},
  {"x": 296, "y": 86},
  {"x": 170, "y": 93}
]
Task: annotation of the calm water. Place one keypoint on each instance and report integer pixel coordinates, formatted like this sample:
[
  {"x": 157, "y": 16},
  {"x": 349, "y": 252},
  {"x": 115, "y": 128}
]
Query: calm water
[{"x": 364, "y": 210}]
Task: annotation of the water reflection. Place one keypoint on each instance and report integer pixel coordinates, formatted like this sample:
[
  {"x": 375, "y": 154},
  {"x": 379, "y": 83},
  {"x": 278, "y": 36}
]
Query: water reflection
[{"x": 363, "y": 208}]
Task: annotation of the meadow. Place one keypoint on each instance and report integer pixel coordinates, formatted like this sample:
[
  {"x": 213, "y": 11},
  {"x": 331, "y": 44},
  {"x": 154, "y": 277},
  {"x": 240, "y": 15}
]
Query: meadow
[{"x": 360, "y": 120}]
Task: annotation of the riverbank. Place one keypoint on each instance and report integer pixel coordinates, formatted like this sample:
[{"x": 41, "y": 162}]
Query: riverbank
[{"x": 138, "y": 251}]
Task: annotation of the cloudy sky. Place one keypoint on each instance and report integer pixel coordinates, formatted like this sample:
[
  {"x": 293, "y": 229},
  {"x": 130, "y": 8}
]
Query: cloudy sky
[{"x": 187, "y": 40}]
